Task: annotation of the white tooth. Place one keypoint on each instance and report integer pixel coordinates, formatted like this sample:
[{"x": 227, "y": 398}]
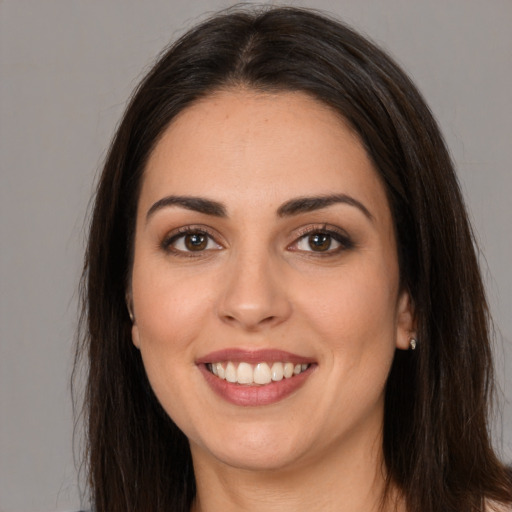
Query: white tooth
[
  {"x": 213, "y": 368},
  {"x": 277, "y": 371},
  {"x": 262, "y": 374},
  {"x": 221, "y": 373},
  {"x": 288, "y": 370},
  {"x": 297, "y": 369},
  {"x": 244, "y": 374},
  {"x": 230, "y": 372},
  {"x": 304, "y": 366}
]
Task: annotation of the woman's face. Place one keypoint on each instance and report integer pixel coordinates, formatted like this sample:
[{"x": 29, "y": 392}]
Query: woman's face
[{"x": 265, "y": 245}]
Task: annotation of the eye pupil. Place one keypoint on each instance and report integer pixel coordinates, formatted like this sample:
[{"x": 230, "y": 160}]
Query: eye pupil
[
  {"x": 196, "y": 241},
  {"x": 319, "y": 242}
]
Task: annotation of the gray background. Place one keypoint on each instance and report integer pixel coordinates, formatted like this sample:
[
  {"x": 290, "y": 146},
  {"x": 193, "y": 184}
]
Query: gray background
[{"x": 66, "y": 70}]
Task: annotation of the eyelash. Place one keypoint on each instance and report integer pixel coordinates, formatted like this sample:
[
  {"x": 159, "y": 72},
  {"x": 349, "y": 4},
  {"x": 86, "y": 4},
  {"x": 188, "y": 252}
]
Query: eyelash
[
  {"x": 172, "y": 238},
  {"x": 339, "y": 236},
  {"x": 344, "y": 241}
]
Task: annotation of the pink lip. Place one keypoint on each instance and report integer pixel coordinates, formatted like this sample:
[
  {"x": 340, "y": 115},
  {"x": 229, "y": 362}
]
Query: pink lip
[
  {"x": 253, "y": 356},
  {"x": 247, "y": 395}
]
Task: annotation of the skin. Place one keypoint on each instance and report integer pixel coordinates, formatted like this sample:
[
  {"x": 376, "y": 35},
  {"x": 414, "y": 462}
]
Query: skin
[{"x": 259, "y": 284}]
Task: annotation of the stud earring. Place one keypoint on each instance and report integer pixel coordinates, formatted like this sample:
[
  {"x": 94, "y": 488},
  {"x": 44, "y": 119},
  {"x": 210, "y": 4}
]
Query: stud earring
[
  {"x": 130, "y": 313},
  {"x": 412, "y": 344}
]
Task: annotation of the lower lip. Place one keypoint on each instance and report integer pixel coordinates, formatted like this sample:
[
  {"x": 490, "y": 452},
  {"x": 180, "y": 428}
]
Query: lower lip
[{"x": 247, "y": 395}]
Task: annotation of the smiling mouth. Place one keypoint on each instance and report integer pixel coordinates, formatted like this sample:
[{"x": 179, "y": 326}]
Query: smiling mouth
[{"x": 259, "y": 374}]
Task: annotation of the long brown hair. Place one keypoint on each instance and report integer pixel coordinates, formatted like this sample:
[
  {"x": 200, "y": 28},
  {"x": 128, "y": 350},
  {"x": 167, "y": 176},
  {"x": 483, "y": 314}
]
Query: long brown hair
[{"x": 436, "y": 443}]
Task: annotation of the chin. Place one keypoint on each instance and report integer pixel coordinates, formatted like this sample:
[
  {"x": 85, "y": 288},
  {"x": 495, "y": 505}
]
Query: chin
[
  {"x": 244, "y": 458},
  {"x": 257, "y": 449}
]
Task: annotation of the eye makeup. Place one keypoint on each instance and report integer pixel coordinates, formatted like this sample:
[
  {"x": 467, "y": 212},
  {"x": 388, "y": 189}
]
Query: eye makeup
[
  {"x": 322, "y": 240},
  {"x": 314, "y": 240},
  {"x": 190, "y": 241}
]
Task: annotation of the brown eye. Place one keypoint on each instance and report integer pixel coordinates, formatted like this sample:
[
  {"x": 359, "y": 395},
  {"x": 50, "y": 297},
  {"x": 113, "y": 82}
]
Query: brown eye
[
  {"x": 319, "y": 242},
  {"x": 323, "y": 242},
  {"x": 189, "y": 241},
  {"x": 196, "y": 241}
]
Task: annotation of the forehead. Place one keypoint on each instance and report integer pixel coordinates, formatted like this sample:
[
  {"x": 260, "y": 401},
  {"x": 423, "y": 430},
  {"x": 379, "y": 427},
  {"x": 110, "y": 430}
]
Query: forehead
[{"x": 261, "y": 148}]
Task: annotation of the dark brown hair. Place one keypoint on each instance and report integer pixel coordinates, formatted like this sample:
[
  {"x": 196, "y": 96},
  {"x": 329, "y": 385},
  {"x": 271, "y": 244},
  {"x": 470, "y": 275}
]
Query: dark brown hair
[{"x": 436, "y": 444}]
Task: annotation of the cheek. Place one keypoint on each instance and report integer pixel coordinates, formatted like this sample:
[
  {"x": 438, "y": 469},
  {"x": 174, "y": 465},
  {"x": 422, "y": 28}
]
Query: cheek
[
  {"x": 355, "y": 322},
  {"x": 352, "y": 304},
  {"x": 170, "y": 313},
  {"x": 354, "y": 316},
  {"x": 169, "y": 305},
  {"x": 170, "y": 317}
]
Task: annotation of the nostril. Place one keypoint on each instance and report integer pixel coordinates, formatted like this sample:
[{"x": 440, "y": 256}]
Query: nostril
[{"x": 250, "y": 323}]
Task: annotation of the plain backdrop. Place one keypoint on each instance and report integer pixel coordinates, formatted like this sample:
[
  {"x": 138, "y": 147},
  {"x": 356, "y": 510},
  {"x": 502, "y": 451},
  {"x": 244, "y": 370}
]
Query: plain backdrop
[{"x": 67, "y": 68}]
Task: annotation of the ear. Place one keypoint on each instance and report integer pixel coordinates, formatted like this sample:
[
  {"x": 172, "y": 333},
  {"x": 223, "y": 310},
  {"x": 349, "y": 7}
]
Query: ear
[
  {"x": 135, "y": 329},
  {"x": 406, "y": 321},
  {"x": 135, "y": 335}
]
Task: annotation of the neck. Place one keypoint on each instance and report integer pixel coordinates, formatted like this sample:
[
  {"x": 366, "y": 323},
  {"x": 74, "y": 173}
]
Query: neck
[{"x": 349, "y": 478}]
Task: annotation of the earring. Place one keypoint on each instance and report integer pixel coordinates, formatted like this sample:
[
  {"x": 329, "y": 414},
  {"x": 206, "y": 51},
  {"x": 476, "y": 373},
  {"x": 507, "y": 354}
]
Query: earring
[
  {"x": 412, "y": 344},
  {"x": 130, "y": 313}
]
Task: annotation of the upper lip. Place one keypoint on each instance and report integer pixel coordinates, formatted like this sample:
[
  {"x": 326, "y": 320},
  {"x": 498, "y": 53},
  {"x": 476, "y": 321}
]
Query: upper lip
[{"x": 253, "y": 356}]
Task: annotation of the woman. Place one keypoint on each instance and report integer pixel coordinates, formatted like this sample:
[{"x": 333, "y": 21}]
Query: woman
[{"x": 283, "y": 307}]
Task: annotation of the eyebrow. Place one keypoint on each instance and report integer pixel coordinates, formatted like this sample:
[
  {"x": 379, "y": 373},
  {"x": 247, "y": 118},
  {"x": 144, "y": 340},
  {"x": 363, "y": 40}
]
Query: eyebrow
[
  {"x": 197, "y": 204},
  {"x": 288, "y": 209},
  {"x": 309, "y": 204}
]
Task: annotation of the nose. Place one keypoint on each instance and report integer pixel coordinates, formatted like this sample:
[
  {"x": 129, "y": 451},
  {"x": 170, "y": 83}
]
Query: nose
[{"x": 253, "y": 294}]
